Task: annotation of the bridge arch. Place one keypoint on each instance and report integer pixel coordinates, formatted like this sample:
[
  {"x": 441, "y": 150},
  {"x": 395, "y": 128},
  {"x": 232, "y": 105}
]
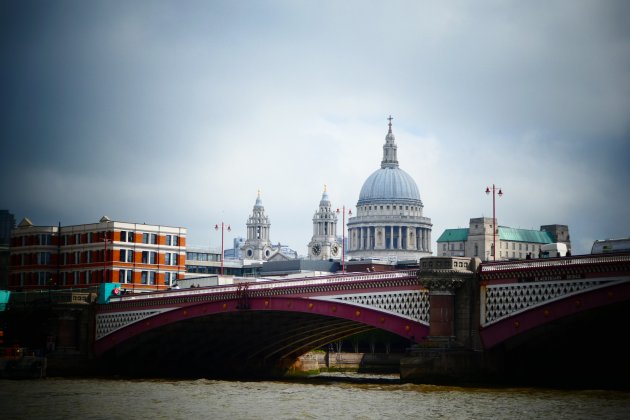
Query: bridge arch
[
  {"x": 529, "y": 321},
  {"x": 259, "y": 333}
]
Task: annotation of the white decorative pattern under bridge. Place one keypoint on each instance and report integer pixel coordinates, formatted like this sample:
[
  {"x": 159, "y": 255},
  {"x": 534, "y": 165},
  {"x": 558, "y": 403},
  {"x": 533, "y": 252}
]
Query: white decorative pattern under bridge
[
  {"x": 109, "y": 322},
  {"x": 502, "y": 301},
  {"x": 412, "y": 304}
]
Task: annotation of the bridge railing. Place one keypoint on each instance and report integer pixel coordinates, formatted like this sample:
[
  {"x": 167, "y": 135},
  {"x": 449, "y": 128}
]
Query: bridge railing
[
  {"x": 272, "y": 284},
  {"x": 554, "y": 262}
]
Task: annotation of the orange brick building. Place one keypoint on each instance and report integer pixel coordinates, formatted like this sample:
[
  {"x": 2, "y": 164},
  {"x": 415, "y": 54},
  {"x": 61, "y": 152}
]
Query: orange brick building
[{"x": 139, "y": 256}]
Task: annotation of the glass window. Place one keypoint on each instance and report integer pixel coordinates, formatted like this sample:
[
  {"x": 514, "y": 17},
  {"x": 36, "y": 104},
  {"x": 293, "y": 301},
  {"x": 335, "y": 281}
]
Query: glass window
[
  {"x": 126, "y": 255},
  {"x": 125, "y": 276},
  {"x": 154, "y": 238},
  {"x": 168, "y": 240},
  {"x": 144, "y": 277},
  {"x": 145, "y": 238},
  {"x": 175, "y": 240}
]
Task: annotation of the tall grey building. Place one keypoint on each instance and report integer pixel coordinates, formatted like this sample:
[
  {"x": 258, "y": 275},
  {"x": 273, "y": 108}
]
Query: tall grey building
[{"x": 389, "y": 223}]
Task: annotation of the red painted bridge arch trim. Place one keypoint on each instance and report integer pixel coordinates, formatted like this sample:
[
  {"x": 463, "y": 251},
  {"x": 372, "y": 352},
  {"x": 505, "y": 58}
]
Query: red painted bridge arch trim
[{"x": 413, "y": 330}]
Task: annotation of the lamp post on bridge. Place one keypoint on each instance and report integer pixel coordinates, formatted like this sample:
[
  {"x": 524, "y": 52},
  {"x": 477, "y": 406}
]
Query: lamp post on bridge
[
  {"x": 223, "y": 227},
  {"x": 494, "y": 218},
  {"x": 343, "y": 237}
]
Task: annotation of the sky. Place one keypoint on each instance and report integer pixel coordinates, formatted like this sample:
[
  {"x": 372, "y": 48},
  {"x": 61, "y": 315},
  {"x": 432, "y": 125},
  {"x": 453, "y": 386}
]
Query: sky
[{"x": 178, "y": 112}]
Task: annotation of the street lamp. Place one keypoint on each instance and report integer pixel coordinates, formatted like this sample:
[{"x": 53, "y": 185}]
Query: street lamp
[
  {"x": 343, "y": 238},
  {"x": 216, "y": 227},
  {"x": 494, "y": 218}
]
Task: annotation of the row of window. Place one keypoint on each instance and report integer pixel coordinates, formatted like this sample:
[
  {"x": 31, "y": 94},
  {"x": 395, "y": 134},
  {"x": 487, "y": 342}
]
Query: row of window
[
  {"x": 76, "y": 278},
  {"x": 91, "y": 237},
  {"x": 505, "y": 245},
  {"x": 202, "y": 256},
  {"x": 87, "y": 257}
]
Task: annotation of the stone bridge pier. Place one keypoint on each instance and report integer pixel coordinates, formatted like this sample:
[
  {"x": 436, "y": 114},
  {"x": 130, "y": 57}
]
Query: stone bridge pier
[{"x": 452, "y": 351}]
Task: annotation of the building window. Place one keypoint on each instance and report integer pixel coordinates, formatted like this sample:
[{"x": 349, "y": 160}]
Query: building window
[
  {"x": 170, "y": 278},
  {"x": 148, "y": 277},
  {"x": 145, "y": 238},
  {"x": 43, "y": 258},
  {"x": 125, "y": 276},
  {"x": 171, "y": 258},
  {"x": 476, "y": 250},
  {"x": 513, "y": 247},
  {"x": 149, "y": 257},
  {"x": 126, "y": 255},
  {"x": 443, "y": 247},
  {"x": 77, "y": 238},
  {"x": 126, "y": 236}
]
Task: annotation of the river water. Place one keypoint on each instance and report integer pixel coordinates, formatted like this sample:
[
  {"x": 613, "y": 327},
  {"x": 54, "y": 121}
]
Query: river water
[{"x": 335, "y": 396}]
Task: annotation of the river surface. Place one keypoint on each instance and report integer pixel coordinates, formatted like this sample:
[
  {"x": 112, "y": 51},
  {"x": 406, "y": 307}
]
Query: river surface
[{"x": 340, "y": 396}]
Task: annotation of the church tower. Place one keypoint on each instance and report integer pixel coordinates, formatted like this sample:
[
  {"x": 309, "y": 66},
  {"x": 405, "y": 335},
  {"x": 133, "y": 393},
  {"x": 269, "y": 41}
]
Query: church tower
[
  {"x": 324, "y": 245},
  {"x": 257, "y": 246}
]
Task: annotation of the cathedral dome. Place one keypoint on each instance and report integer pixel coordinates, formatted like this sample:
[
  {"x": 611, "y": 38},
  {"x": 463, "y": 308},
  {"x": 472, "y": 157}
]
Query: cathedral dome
[{"x": 391, "y": 185}]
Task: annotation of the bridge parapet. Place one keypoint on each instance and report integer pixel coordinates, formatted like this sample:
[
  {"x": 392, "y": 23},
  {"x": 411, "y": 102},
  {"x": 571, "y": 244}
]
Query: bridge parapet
[
  {"x": 508, "y": 289},
  {"x": 273, "y": 287},
  {"x": 584, "y": 264}
]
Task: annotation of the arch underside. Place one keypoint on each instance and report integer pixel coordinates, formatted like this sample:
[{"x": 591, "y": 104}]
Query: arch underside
[
  {"x": 240, "y": 337},
  {"x": 556, "y": 314}
]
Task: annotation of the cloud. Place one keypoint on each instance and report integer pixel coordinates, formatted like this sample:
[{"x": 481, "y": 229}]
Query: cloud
[{"x": 176, "y": 114}]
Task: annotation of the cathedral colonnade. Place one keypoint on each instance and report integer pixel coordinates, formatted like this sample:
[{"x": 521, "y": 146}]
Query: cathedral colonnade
[{"x": 389, "y": 237}]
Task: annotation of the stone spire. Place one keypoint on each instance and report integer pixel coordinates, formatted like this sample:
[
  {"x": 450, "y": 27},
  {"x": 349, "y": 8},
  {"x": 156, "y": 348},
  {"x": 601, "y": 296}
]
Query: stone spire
[{"x": 390, "y": 159}]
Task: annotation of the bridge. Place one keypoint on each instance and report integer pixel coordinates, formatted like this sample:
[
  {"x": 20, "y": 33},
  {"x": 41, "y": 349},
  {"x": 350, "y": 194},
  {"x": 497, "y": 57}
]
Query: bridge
[
  {"x": 507, "y": 311},
  {"x": 257, "y": 326}
]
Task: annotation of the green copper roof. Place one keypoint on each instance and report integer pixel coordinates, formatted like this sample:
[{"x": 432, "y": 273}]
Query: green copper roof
[
  {"x": 505, "y": 234},
  {"x": 454, "y": 235},
  {"x": 524, "y": 235}
]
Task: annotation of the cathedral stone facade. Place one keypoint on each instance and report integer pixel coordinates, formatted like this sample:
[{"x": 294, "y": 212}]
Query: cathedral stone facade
[{"x": 389, "y": 223}]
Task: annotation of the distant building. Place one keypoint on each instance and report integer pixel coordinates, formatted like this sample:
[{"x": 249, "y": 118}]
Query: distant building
[
  {"x": 258, "y": 246},
  {"x": 512, "y": 243},
  {"x": 205, "y": 261},
  {"x": 235, "y": 253},
  {"x": 139, "y": 256},
  {"x": 389, "y": 222},
  {"x": 324, "y": 244},
  {"x": 7, "y": 223}
]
